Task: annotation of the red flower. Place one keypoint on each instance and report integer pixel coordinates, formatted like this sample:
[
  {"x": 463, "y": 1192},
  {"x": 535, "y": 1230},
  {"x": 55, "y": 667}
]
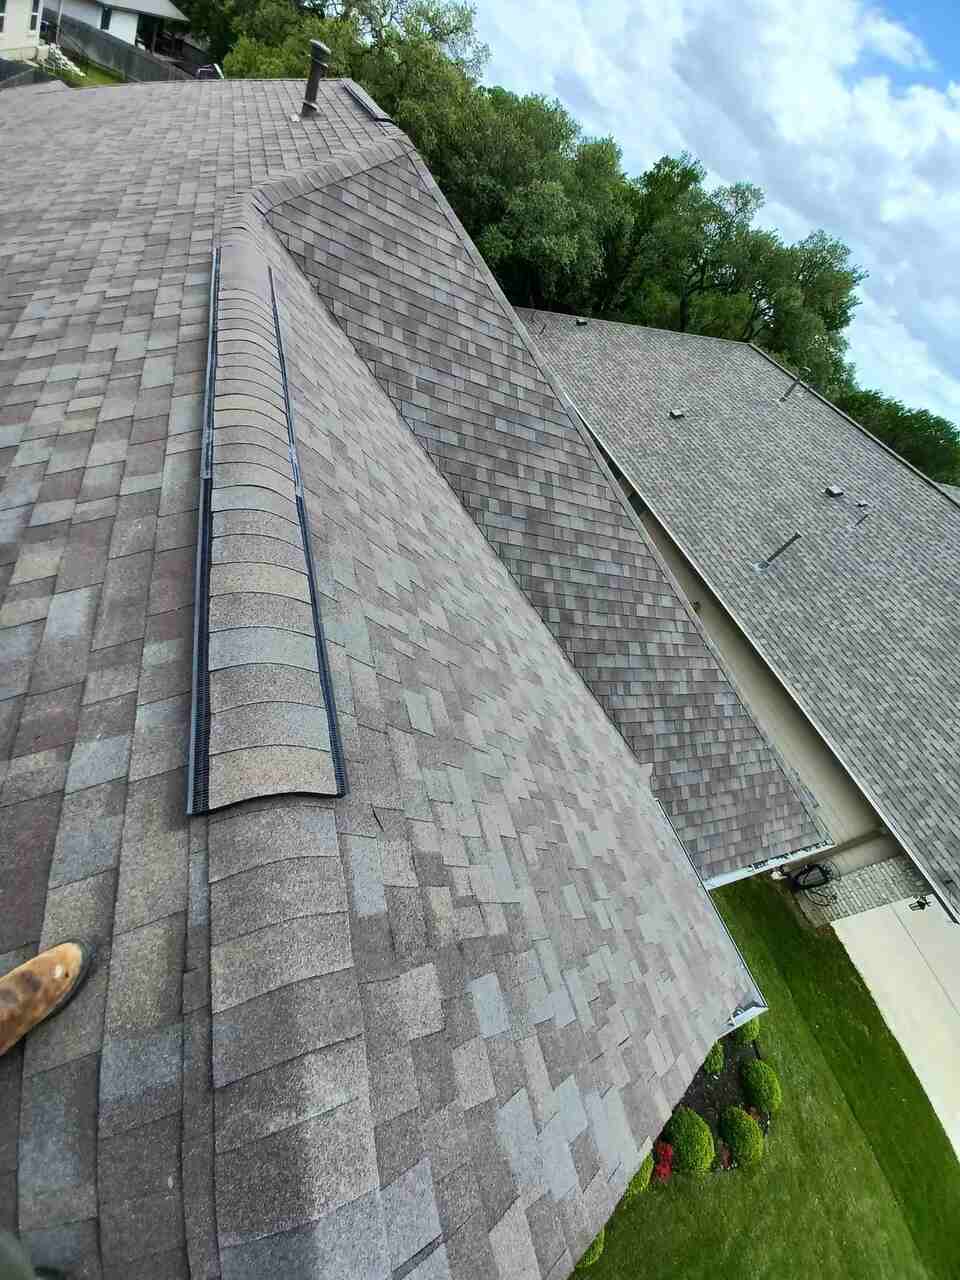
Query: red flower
[{"x": 663, "y": 1153}]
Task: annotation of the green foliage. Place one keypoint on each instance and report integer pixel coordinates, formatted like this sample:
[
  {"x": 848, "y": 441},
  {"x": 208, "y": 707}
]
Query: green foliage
[
  {"x": 557, "y": 219},
  {"x": 692, "y": 1141},
  {"x": 928, "y": 441},
  {"x": 742, "y": 1135},
  {"x": 713, "y": 1063},
  {"x": 594, "y": 1252},
  {"x": 640, "y": 1180},
  {"x": 747, "y": 1032},
  {"x": 761, "y": 1084}
]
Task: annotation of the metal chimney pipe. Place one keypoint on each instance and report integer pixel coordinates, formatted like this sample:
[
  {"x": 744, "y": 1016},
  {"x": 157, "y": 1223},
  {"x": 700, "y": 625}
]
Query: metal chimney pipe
[{"x": 319, "y": 62}]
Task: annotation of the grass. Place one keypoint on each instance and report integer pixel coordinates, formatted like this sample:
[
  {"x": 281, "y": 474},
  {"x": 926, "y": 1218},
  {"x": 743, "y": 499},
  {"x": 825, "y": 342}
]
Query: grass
[
  {"x": 859, "y": 1179},
  {"x": 94, "y": 78}
]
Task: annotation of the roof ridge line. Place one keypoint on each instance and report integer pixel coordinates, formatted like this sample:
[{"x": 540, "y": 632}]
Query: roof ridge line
[
  {"x": 585, "y": 433},
  {"x": 634, "y": 324},
  {"x": 340, "y": 168},
  {"x": 933, "y": 484}
]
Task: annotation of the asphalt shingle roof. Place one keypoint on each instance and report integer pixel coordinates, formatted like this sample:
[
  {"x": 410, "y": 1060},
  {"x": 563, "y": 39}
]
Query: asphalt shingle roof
[
  {"x": 428, "y": 1028},
  {"x": 386, "y": 253},
  {"x": 861, "y": 618}
]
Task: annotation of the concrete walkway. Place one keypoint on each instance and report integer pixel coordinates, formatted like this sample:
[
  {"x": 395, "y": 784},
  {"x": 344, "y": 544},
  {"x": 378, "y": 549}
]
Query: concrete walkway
[{"x": 910, "y": 960}]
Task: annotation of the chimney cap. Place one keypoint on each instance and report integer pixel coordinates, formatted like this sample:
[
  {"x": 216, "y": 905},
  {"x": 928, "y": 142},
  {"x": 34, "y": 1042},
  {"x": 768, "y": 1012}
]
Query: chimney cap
[{"x": 319, "y": 51}]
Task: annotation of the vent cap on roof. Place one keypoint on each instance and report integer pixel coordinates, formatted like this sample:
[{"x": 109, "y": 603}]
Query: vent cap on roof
[
  {"x": 319, "y": 62},
  {"x": 678, "y": 413},
  {"x": 833, "y": 491}
]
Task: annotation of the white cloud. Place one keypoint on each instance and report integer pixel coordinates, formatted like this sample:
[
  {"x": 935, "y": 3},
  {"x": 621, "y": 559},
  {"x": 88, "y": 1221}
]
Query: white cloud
[{"x": 824, "y": 106}]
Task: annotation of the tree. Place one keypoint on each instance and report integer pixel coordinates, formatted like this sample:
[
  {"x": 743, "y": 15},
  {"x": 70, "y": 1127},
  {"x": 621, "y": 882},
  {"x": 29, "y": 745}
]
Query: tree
[
  {"x": 557, "y": 219},
  {"x": 930, "y": 442}
]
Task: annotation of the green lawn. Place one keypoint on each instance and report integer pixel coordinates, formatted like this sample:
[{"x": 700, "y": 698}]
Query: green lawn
[
  {"x": 95, "y": 77},
  {"x": 859, "y": 1181}
]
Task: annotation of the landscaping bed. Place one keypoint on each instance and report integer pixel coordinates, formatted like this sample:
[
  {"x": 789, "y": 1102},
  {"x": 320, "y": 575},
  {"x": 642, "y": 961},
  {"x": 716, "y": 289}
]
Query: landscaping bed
[
  {"x": 858, "y": 1179},
  {"x": 710, "y": 1095}
]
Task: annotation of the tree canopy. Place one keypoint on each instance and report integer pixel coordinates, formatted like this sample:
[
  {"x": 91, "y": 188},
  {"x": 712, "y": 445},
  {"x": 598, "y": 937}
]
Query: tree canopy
[{"x": 560, "y": 223}]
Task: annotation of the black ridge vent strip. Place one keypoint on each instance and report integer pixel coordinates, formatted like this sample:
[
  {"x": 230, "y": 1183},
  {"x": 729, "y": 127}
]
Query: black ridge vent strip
[
  {"x": 326, "y": 682},
  {"x": 368, "y": 105},
  {"x": 198, "y": 773}
]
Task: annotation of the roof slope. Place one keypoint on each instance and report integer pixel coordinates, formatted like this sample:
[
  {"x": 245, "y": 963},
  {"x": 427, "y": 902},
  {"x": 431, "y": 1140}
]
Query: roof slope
[
  {"x": 387, "y": 255},
  {"x": 861, "y": 620},
  {"x": 425, "y": 1029},
  {"x": 156, "y": 8}
]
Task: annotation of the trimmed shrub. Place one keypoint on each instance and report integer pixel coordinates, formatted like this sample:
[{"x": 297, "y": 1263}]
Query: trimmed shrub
[
  {"x": 692, "y": 1141},
  {"x": 761, "y": 1084},
  {"x": 594, "y": 1252},
  {"x": 742, "y": 1135},
  {"x": 713, "y": 1063},
  {"x": 640, "y": 1180},
  {"x": 747, "y": 1032}
]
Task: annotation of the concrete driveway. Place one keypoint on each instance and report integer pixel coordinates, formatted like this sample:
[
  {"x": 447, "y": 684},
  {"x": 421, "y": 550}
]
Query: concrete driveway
[{"x": 910, "y": 960}]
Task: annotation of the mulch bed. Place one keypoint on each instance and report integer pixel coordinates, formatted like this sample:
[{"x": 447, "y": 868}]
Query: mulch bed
[{"x": 710, "y": 1095}]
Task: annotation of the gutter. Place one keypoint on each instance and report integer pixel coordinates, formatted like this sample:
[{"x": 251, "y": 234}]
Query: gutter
[
  {"x": 769, "y": 864},
  {"x": 952, "y": 911}
]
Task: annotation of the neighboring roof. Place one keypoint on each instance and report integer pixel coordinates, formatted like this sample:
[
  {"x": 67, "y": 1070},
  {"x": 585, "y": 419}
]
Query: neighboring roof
[
  {"x": 155, "y": 8},
  {"x": 385, "y": 252},
  {"x": 428, "y": 1028},
  {"x": 861, "y": 618}
]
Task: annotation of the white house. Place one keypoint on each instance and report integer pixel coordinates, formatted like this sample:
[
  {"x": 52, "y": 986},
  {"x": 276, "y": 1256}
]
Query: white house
[
  {"x": 19, "y": 28},
  {"x": 132, "y": 21}
]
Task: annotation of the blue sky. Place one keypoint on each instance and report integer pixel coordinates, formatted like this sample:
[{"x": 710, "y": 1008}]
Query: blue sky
[
  {"x": 935, "y": 22},
  {"x": 847, "y": 113}
]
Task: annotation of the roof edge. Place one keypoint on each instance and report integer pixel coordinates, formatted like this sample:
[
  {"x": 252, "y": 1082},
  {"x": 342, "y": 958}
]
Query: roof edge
[
  {"x": 739, "y": 342},
  {"x": 769, "y": 864},
  {"x": 757, "y": 1003},
  {"x": 865, "y": 789},
  {"x": 933, "y": 484},
  {"x": 269, "y": 195}
]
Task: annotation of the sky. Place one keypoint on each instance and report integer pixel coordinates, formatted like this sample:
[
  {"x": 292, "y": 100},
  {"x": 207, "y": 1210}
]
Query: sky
[{"x": 846, "y": 113}]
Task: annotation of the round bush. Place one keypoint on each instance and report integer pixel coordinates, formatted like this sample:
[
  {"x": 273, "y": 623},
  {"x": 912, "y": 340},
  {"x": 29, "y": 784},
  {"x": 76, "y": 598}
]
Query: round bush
[
  {"x": 761, "y": 1084},
  {"x": 742, "y": 1135},
  {"x": 747, "y": 1032},
  {"x": 692, "y": 1141},
  {"x": 640, "y": 1180},
  {"x": 594, "y": 1252},
  {"x": 713, "y": 1063}
]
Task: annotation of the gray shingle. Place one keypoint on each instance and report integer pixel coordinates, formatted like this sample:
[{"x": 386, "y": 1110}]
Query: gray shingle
[
  {"x": 295, "y": 1176},
  {"x": 742, "y": 471},
  {"x": 410, "y": 1213},
  {"x": 349, "y": 1241},
  {"x": 483, "y": 776},
  {"x": 58, "y": 1146},
  {"x": 284, "y": 1024}
]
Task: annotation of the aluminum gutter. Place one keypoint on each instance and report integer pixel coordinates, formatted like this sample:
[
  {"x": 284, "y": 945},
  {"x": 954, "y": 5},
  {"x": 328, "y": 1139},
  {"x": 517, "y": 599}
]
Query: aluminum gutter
[{"x": 767, "y": 864}]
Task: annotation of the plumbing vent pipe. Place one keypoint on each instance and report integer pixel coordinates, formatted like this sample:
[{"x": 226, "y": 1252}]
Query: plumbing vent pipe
[{"x": 319, "y": 62}]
